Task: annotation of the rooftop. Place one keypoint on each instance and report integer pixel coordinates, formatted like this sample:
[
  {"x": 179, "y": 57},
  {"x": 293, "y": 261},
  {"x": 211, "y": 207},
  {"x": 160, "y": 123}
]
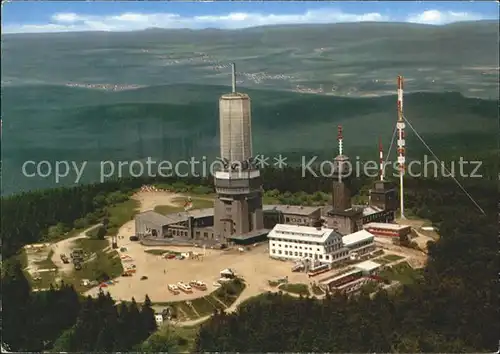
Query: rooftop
[
  {"x": 387, "y": 226},
  {"x": 367, "y": 266},
  {"x": 369, "y": 209},
  {"x": 153, "y": 217},
  {"x": 302, "y": 233},
  {"x": 357, "y": 237},
  {"x": 234, "y": 95},
  {"x": 348, "y": 212},
  {"x": 174, "y": 218},
  {"x": 292, "y": 209},
  {"x": 327, "y": 281},
  {"x": 250, "y": 235}
]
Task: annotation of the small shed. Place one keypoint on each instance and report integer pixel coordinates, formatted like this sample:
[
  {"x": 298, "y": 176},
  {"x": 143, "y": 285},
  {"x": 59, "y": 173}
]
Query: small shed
[
  {"x": 159, "y": 319},
  {"x": 368, "y": 267},
  {"x": 227, "y": 273}
]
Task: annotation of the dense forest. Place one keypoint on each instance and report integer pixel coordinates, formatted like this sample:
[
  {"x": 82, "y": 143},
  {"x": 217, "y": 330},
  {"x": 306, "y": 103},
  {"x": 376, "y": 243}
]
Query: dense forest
[
  {"x": 61, "y": 321},
  {"x": 447, "y": 311}
]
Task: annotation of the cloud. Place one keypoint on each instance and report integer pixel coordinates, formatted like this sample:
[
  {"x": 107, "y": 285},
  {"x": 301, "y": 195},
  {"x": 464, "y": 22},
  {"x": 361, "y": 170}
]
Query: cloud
[
  {"x": 136, "y": 21},
  {"x": 65, "y": 22},
  {"x": 435, "y": 17}
]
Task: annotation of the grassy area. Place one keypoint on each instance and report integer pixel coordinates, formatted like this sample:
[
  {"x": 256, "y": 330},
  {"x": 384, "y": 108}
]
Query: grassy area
[
  {"x": 105, "y": 265},
  {"x": 274, "y": 283},
  {"x": 392, "y": 257},
  {"x": 299, "y": 289},
  {"x": 175, "y": 339},
  {"x": 90, "y": 245},
  {"x": 369, "y": 287},
  {"x": 203, "y": 306},
  {"x": 216, "y": 303},
  {"x": 157, "y": 252},
  {"x": 317, "y": 290},
  {"x": 381, "y": 260},
  {"x": 44, "y": 279},
  {"x": 98, "y": 264},
  {"x": 402, "y": 273},
  {"x": 270, "y": 200},
  {"x": 229, "y": 292},
  {"x": 121, "y": 213}
]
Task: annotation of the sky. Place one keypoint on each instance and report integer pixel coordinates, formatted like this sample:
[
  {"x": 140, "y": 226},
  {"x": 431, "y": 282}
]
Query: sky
[{"x": 63, "y": 16}]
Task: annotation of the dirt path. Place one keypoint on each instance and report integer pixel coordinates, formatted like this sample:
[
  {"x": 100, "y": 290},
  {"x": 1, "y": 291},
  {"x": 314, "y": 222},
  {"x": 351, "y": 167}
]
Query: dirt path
[
  {"x": 65, "y": 246},
  {"x": 220, "y": 302},
  {"x": 192, "y": 308}
]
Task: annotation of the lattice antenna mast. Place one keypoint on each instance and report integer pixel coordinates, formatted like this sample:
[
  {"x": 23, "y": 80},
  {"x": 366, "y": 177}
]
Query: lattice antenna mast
[
  {"x": 381, "y": 155},
  {"x": 340, "y": 139},
  {"x": 400, "y": 125}
]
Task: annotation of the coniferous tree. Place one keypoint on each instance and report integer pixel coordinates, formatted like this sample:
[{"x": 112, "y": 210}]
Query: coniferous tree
[
  {"x": 148, "y": 318},
  {"x": 16, "y": 305}
]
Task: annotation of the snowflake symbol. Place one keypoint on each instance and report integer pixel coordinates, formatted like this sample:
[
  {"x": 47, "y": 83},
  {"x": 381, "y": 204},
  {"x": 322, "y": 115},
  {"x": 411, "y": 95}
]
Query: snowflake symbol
[
  {"x": 280, "y": 161},
  {"x": 261, "y": 161}
]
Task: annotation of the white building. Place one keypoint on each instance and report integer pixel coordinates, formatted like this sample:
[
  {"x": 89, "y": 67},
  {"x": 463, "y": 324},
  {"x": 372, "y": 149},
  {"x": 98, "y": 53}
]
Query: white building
[
  {"x": 359, "y": 243},
  {"x": 304, "y": 242}
]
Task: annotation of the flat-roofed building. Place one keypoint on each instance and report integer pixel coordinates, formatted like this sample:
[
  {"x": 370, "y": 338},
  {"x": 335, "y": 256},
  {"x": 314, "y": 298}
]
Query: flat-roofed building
[
  {"x": 305, "y": 242},
  {"x": 373, "y": 213},
  {"x": 359, "y": 243},
  {"x": 387, "y": 230},
  {"x": 292, "y": 214},
  {"x": 182, "y": 226},
  {"x": 368, "y": 267}
]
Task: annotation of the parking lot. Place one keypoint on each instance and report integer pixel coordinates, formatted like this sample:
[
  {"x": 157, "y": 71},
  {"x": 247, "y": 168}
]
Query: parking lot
[{"x": 253, "y": 265}]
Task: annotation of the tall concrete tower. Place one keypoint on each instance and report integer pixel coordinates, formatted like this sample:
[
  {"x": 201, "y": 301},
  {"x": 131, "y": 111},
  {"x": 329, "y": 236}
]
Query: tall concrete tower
[{"x": 238, "y": 206}]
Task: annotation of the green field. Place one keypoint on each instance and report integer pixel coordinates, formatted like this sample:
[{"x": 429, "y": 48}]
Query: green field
[
  {"x": 299, "y": 289},
  {"x": 158, "y": 252},
  {"x": 392, "y": 257},
  {"x": 175, "y": 339},
  {"x": 402, "y": 273}
]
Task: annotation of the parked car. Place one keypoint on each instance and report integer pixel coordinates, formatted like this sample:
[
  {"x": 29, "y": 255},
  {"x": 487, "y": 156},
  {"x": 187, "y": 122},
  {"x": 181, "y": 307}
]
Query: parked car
[
  {"x": 134, "y": 238},
  {"x": 144, "y": 277}
]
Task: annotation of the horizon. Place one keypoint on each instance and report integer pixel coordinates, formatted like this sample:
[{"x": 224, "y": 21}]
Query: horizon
[
  {"x": 253, "y": 27},
  {"x": 57, "y": 17}
]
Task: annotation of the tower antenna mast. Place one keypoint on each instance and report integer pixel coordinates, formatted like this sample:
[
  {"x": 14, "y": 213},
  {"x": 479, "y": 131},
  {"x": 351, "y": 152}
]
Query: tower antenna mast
[
  {"x": 400, "y": 125},
  {"x": 340, "y": 139},
  {"x": 233, "y": 77},
  {"x": 381, "y": 155}
]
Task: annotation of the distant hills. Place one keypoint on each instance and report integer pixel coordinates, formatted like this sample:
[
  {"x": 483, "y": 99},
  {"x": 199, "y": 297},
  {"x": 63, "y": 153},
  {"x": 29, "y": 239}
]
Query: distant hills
[
  {"x": 451, "y": 91},
  {"x": 178, "y": 121}
]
